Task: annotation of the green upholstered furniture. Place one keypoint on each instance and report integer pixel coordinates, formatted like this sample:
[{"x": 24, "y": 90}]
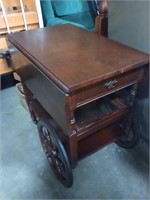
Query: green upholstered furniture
[{"x": 75, "y": 12}]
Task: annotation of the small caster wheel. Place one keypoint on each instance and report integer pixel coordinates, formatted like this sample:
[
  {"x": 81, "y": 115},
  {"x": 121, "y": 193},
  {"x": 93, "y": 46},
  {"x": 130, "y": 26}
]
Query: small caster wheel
[
  {"x": 55, "y": 152},
  {"x": 128, "y": 141}
]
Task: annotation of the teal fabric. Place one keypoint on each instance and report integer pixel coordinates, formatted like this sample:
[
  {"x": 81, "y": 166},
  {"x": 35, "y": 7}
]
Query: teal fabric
[
  {"x": 47, "y": 10},
  {"x": 58, "y": 21},
  {"x": 84, "y": 19},
  {"x": 75, "y": 12},
  {"x": 66, "y": 7},
  {"x": 91, "y": 29}
]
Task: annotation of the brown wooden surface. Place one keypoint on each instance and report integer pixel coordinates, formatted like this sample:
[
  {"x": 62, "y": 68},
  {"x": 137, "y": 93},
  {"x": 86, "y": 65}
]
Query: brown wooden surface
[
  {"x": 74, "y": 58},
  {"x": 98, "y": 140},
  {"x": 30, "y": 4},
  {"x": 16, "y": 22},
  {"x": 101, "y": 25},
  {"x": 4, "y": 69},
  {"x": 51, "y": 98},
  {"x": 98, "y": 90},
  {"x": 3, "y": 44}
]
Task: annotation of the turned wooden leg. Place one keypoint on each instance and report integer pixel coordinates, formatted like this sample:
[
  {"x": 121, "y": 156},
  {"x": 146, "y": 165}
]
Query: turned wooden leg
[{"x": 130, "y": 137}]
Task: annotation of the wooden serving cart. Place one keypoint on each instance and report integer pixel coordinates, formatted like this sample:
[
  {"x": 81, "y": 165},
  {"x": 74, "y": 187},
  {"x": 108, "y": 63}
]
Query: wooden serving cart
[{"x": 80, "y": 89}]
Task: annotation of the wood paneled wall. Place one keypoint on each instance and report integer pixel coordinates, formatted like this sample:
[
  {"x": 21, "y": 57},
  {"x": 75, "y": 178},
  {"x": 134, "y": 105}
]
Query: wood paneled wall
[{"x": 29, "y": 3}]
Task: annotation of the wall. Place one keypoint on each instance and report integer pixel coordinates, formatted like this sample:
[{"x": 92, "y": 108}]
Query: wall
[{"x": 129, "y": 24}]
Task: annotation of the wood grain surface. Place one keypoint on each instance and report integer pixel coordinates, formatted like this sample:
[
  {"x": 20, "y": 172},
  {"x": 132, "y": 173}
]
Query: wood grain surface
[{"x": 74, "y": 58}]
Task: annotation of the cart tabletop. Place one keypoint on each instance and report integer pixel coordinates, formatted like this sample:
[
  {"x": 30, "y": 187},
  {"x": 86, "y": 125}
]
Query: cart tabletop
[{"x": 74, "y": 58}]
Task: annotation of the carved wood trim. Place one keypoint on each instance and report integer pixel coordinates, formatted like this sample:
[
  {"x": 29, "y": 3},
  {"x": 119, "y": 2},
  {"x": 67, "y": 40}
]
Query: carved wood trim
[{"x": 101, "y": 21}]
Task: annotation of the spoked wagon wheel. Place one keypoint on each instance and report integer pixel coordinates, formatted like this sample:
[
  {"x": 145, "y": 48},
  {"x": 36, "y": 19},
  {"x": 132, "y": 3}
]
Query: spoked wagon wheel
[
  {"x": 130, "y": 140},
  {"x": 55, "y": 152}
]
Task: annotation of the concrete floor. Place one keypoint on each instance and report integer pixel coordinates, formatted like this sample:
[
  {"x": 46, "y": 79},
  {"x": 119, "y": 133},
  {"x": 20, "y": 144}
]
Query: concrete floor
[{"x": 111, "y": 173}]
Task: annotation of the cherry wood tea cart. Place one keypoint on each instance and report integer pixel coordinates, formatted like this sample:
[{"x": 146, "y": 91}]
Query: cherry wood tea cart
[{"x": 80, "y": 89}]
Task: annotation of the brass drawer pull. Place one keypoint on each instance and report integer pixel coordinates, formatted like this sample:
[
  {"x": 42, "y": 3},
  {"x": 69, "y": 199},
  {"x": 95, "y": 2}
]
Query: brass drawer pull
[{"x": 111, "y": 84}]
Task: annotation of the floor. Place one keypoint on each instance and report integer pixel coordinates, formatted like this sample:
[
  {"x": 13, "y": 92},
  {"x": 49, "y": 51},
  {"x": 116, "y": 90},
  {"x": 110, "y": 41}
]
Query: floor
[{"x": 111, "y": 173}]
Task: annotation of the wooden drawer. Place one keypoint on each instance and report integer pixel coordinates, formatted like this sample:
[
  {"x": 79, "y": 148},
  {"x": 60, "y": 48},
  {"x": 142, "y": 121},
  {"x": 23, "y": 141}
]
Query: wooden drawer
[
  {"x": 107, "y": 87},
  {"x": 98, "y": 140}
]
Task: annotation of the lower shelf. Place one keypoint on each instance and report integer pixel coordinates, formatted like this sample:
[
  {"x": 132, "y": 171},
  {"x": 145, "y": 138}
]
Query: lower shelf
[{"x": 97, "y": 140}]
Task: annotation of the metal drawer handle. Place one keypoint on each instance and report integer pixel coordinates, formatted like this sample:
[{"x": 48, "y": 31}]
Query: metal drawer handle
[{"x": 111, "y": 84}]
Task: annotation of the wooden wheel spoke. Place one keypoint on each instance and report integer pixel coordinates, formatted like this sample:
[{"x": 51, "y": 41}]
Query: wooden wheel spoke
[
  {"x": 48, "y": 144},
  {"x": 59, "y": 167},
  {"x": 49, "y": 150}
]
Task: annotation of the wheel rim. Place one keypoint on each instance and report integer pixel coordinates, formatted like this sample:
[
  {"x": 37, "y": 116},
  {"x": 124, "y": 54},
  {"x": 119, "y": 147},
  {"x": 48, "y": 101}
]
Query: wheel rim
[
  {"x": 52, "y": 153},
  {"x": 129, "y": 140},
  {"x": 55, "y": 154}
]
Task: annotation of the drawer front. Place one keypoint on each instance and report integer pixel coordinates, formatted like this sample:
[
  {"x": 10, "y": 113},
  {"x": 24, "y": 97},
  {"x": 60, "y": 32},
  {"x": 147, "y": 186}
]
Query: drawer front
[
  {"x": 107, "y": 86},
  {"x": 98, "y": 140}
]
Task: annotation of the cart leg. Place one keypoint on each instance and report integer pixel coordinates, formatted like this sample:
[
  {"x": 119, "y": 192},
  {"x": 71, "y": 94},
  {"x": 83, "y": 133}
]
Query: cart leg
[
  {"x": 73, "y": 149},
  {"x": 130, "y": 137}
]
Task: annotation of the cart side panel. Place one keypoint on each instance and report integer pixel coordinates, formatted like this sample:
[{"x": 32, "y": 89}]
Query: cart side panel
[{"x": 44, "y": 90}]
